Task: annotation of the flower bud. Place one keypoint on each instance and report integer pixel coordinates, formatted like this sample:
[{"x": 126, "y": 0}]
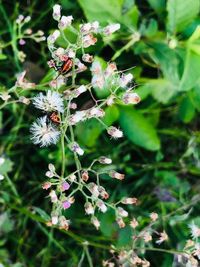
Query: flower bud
[
  {"x": 120, "y": 222},
  {"x": 114, "y": 132},
  {"x": 65, "y": 22},
  {"x": 89, "y": 209},
  {"x": 95, "y": 222},
  {"x": 105, "y": 160},
  {"x": 134, "y": 223},
  {"x": 122, "y": 212},
  {"x": 111, "y": 29},
  {"x": 56, "y": 12},
  {"x": 84, "y": 176},
  {"x": 46, "y": 185},
  {"x": 102, "y": 207},
  {"x": 116, "y": 175},
  {"x": 131, "y": 98}
]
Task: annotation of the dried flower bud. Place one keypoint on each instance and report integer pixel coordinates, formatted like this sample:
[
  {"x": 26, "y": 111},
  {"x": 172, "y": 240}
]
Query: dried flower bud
[
  {"x": 53, "y": 196},
  {"x": 163, "y": 237},
  {"x": 87, "y": 58},
  {"x": 134, "y": 223},
  {"x": 84, "y": 176},
  {"x": 111, "y": 29},
  {"x": 130, "y": 200},
  {"x": 65, "y": 22},
  {"x": 105, "y": 160},
  {"x": 76, "y": 148},
  {"x": 147, "y": 237},
  {"x": 95, "y": 222},
  {"x": 88, "y": 40},
  {"x": 72, "y": 178},
  {"x": 114, "y": 132},
  {"x": 125, "y": 79},
  {"x": 24, "y": 100},
  {"x": 89, "y": 209},
  {"x": 46, "y": 185},
  {"x": 121, "y": 212},
  {"x": 52, "y": 37},
  {"x": 154, "y": 216},
  {"x": 93, "y": 189},
  {"x": 63, "y": 223},
  {"x": 103, "y": 192},
  {"x": 101, "y": 205},
  {"x": 120, "y": 222},
  {"x": 131, "y": 98},
  {"x": 116, "y": 175}
]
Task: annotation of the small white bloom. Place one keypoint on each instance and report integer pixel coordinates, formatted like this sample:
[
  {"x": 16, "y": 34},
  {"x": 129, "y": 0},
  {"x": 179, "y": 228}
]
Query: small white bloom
[
  {"x": 125, "y": 79},
  {"x": 52, "y": 37},
  {"x": 19, "y": 19},
  {"x": 195, "y": 230},
  {"x": 27, "y": 19},
  {"x": 163, "y": 237},
  {"x": 71, "y": 53},
  {"x": 65, "y": 22},
  {"x": 98, "y": 81},
  {"x": 1, "y": 177},
  {"x": 52, "y": 101},
  {"x": 43, "y": 133},
  {"x": 96, "y": 112},
  {"x": 56, "y": 12},
  {"x": 5, "y": 96},
  {"x": 111, "y": 29},
  {"x": 94, "y": 26},
  {"x": 85, "y": 28},
  {"x": 77, "y": 117},
  {"x": 88, "y": 40},
  {"x": 81, "y": 89},
  {"x": 96, "y": 68}
]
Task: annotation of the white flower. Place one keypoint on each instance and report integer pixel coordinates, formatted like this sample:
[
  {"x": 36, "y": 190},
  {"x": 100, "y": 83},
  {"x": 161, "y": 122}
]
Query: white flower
[
  {"x": 195, "y": 230},
  {"x": 105, "y": 160},
  {"x": 1, "y": 177},
  {"x": 111, "y": 29},
  {"x": 65, "y": 21},
  {"x": 54, "y": 220},
  {"x": 52, "y": 101},
  {"x": 43, "y": 133},
  {"x": 95, "y": 222},
  {"x": 52, "y": 37},
  {"x": 56, "y": 12},
  {"x": 163, "y": 237},
  {"x": 53, "y": 196}
]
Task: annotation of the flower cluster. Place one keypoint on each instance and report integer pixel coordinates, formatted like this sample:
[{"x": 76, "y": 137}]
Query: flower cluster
[{"x": 60, "y": 117}]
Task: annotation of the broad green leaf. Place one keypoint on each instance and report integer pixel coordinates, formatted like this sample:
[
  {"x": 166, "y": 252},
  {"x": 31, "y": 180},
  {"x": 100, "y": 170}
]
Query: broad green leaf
[
  {"x": 138, "y": 129},
  {"x": 186, "y": 109},
  {"x": 162, "y": 90},
  {"x": 167, "y": 59},
  {"x": 93, "y": 128},
  {"x": 191, "y": 73},
  {"x": 105, "y": 11},
  {"x": 195, "y": 95},
  {"x": 157, "y": 5},
  {"x": 130, "y": 18},
  {"x": 181, "y": 13}
]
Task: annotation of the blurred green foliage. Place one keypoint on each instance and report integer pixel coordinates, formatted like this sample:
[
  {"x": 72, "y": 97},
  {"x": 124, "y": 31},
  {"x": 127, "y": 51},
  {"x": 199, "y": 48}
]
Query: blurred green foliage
[{"x": 160, "y": 151}]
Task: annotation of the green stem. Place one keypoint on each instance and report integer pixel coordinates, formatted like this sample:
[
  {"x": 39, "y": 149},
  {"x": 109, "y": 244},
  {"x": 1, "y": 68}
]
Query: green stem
[{"x": 88, "y": 256}]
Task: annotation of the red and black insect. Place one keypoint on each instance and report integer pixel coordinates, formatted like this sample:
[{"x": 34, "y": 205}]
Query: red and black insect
[
  {"x": 65, "y": 67},
  {"x": 54, "y": 117}
]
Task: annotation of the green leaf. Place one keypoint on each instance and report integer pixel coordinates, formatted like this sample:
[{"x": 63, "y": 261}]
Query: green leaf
[
  {"x": 162, "y": 90},
  {"x": 191, "y": 73},
  {"x": 130, "y": 18},
  {"x": 186, "y": 109},
  {"x": 105, "y": 11},
  {"x": 181, "y": 14},
  {"x": 157, "y": 5},
  {"x": 138, "y": 129}
]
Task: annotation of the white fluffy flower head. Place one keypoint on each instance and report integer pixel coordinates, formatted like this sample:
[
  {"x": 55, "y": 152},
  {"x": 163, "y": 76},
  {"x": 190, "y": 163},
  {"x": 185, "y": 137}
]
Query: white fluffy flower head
[
  {"x": 44, "y": 134},
  {"x": 52, "y": 101}
]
